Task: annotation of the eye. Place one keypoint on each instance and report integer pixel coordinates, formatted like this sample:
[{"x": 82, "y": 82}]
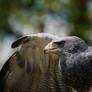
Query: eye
[{"x": 60, "y": 43}]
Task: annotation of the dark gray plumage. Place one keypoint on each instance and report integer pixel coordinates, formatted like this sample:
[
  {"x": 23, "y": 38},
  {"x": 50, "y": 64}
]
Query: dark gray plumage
[
  {"x": 75, "y": 62},
  {"x": 30, "y": 70}
]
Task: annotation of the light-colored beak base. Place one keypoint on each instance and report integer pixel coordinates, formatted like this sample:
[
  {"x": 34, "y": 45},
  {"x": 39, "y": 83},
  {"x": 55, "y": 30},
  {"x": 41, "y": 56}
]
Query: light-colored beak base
[{"x": 49, "y": 50}]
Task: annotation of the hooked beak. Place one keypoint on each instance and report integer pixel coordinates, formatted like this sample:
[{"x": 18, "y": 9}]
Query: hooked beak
[{"x": 49, "y": 49}]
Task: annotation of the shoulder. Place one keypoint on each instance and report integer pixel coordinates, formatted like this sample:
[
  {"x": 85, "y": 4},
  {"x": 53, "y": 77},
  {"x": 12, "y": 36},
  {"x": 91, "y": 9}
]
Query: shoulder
[{"x": 83, "y": 57}]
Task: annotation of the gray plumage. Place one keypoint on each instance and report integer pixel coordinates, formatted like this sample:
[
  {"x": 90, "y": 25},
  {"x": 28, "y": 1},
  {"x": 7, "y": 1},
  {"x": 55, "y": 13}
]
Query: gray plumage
[
  {"x": 29, "y": 69},
  {"x": 75, "y": 62}
]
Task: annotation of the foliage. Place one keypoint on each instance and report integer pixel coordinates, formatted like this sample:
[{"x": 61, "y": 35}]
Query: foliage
[{"x": 77, "y": 15}]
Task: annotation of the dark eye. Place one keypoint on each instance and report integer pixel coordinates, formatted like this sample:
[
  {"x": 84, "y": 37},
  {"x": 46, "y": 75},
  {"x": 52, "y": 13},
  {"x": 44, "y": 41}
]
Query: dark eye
[{"x": 60, "y": 43}]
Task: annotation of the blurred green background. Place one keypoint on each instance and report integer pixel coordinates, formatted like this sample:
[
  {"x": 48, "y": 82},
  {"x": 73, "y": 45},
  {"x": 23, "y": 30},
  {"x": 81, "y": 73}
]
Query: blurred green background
[{"x": 60, "y": 17}]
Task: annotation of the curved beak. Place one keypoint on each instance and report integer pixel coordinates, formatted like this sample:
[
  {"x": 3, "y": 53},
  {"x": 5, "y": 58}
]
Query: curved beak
[{"x": 49, "y": 48}]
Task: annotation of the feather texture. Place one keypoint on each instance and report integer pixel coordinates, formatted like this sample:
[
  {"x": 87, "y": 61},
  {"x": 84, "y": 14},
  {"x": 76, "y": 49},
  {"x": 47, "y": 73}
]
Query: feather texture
[{"x": 30, "y": 70}]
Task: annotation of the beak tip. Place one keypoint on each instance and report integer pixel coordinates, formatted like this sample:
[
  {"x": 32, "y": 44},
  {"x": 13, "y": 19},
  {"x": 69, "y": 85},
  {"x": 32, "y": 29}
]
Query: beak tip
[{"x": 44, "y": 51}]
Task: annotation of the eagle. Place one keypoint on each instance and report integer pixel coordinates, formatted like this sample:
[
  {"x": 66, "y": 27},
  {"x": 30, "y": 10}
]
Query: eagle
[
  {"x": 29, "y": 69},
  {"x": 75, "y": 62}
]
